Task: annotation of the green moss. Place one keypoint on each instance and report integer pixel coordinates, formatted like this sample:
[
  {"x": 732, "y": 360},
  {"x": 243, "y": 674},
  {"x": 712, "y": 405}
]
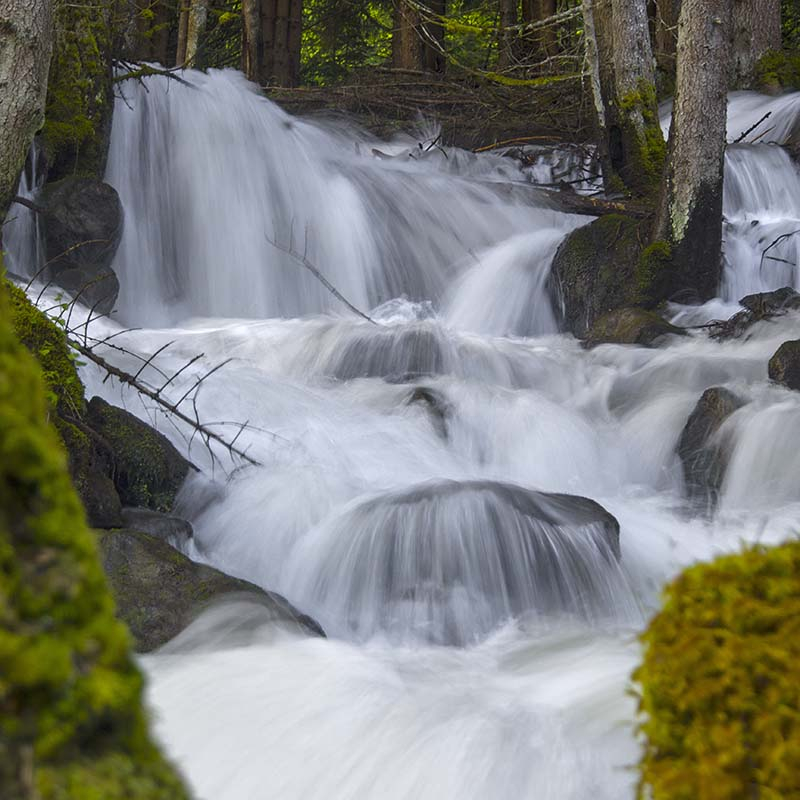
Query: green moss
[
  {"x": 647, "y": 149},
  {"x": 71, "y": 716},
  {"x": 48, "y": 343},
  {"x": 79, "y": 96},
  {"x": 654, "y": 271},
  {"x": 720, "y": 681},
  {"x": 778, "y": 70}
]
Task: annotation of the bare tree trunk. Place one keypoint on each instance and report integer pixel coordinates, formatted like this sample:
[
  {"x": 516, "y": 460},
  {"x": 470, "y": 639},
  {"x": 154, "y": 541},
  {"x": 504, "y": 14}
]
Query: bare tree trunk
[
  {"x": 407, "y": 49},
  {"x": 434, "y": 57},
  {"x": 508, "y": 18},
  {"x": 690, "y": 219},
  {"x": 26, "y": 45},
  {"x": 756, "y": 29},
  {"x": 548, "y": 45},
  {"x": 198, "y": 16},
  {"x": 271, "y": 39},
  {"x": 183, "y": 30}
]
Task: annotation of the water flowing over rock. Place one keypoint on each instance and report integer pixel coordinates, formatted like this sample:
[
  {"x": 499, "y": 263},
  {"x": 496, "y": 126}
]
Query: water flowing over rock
[
  {"x": 631, "y": 326},
  {"x": 784, "y": 366},
  {"x": 450, "y": 561}
]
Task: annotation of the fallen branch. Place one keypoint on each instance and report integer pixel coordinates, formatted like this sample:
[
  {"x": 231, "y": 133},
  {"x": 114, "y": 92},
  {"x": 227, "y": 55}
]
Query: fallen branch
[
  {"x": 752, "y": 128},
  {"x": 764, "y": 252}
]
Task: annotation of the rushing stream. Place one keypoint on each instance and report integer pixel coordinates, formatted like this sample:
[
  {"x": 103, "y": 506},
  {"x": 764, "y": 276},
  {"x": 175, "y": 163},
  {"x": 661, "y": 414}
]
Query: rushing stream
[{"x": 474, "y": 651}]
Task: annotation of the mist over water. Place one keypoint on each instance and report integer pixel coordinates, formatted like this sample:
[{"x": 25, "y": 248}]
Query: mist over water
[{"x": 482, "y": 634}]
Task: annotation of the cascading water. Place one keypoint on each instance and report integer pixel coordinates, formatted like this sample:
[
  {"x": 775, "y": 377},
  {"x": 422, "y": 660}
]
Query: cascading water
[{"x": 414, "y": 470}]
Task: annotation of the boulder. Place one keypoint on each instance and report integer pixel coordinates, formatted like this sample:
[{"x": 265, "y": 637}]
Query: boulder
[
  {"x": 82, "y": 229},
  {"x": 148, "y": 470},
  {"x": 784, "y": 366},
  {"x": 631, "y": 326},
  {"x": 173, "y": 530},
  {"x": 704, "y": 460},
  {"x": 159, "y": 591}
]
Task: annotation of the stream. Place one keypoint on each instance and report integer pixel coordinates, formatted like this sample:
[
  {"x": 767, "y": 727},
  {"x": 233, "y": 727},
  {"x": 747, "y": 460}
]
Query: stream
[{"x": 399, "y": 456}]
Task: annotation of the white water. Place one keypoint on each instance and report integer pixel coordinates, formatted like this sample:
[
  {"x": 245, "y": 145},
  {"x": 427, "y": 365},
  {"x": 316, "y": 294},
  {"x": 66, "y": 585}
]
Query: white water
[{"x": 464, "y": 383}]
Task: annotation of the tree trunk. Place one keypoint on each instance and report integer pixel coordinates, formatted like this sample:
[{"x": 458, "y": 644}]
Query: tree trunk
[
  {"x": 756, "y": 29},
  {"x": 271, "y": 38},
  {"x": 26, "y": 44},
  {"x": 636, "y": 142},
  {"x": 407, "y": 48},
  {"x": 183, "y": 29},
  {"x": 198, "y": 16},
  {"x": 690, "y": 219},
  {"x": 508, "y": 18}
]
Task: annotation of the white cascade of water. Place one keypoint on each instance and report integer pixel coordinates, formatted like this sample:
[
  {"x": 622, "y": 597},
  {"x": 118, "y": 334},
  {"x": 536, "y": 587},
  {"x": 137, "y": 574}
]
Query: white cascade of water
[
  {"x": 22, "y": 239},
  {"x": 403, "y": 497}
]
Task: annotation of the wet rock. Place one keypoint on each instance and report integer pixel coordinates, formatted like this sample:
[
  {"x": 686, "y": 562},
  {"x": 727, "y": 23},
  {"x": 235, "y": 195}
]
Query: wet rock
[
  {"x": 82, "y": 227},
  {"x": 148, "y": 470},
  {"x": 173, "y": 530},
  {"x": 757, "y": 307},
  {"x": 398, "y": 354},
  {"x": 784, "y": 366},
  {"x": 437, "y": 405},
  {"x": 703, "y": 459},
  {"x": 631, "y": 326},
  {"x": 159, "y": 591}
]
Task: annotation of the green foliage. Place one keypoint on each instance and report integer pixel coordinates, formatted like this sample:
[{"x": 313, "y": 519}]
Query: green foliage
[
  {"x": 79, "y": 96},
  {"x": 778, "y": 70},
  {"x": 48, "y": 343},
  {"x": 790, "y": 24},
  {"x": 71, "y": 718},
  {"x": 720, "y": 681}
]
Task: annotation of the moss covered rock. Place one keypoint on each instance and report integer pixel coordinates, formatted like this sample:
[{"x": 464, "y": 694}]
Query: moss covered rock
[
  {"x": 720, "y": 681},
  {"x": 159, "y": 591},
  {"x": 594, "y": 271},
  {"x": 148, "y": 470},
  {"x": 71, "y": 716},
  {"x": 778, "y": 70},
  {"x": 80, "y": 97},
  {"x": 631, "y": 326}
]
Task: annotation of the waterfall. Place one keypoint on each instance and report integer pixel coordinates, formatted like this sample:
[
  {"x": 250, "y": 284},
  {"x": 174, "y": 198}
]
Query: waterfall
[{"x": 481, "y": 513}]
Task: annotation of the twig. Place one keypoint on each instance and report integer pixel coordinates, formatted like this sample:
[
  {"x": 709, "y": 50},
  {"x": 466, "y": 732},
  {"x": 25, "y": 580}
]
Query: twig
[{"x": 752, "y": 128}]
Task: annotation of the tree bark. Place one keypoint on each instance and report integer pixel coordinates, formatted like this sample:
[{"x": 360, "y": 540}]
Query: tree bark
[
  {"x": 433, "y": 43},
  {"x": 756, "y": 29},
  {"x": 690, "y": 218},
  {"x": 198, "y": 16},
  {"x": 271, "y": 39},
  {"x": 183, "y": 29},
  {"x": 508, "y": 18},
  {"x": 407, "y": 48},
  {"x": 26, "y": 45},
  {"x": 666, "y": 34}
]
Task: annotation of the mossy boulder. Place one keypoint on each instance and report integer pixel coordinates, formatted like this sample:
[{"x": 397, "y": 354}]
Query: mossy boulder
[
  {"x": 595, "y": 271},
  {"x": 704, "y": 459},
  {"x": 80, "y": 96},
  {"x": 159, "y": 591},
  {"x": 784, "y": 366},
  {"x": 82, "y": 229},
  {"x": 720, "y": 681},
  {"x": 148, "y": 470},
  {"x": 631, "y": 326},
  {"x": 72, "y": 722}
]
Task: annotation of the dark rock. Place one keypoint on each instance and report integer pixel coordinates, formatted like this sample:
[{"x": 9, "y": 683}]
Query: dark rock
[
  {"x": 594, "y": 271},
  {"x": 91, "y": 465},
  {"x": 784, "y": 366},
  {"x": 148, "y": 470},
  {"x": 704, "y": 461},
  {"x": 159, "y": 591},
  {"x": 82, "y": 227},
  {"x": 173, "y": 530},
  {"x": 631, "y": 326},
  {"x": 436, "y": 404},
  {"x": 757, "y": 307}
]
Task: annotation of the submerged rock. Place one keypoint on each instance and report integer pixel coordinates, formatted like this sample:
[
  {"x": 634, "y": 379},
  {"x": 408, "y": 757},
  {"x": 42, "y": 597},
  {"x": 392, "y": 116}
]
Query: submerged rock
[
  {"x": 159, "y": 591},
  {"x": 784, "y": 366},
  {"x": 148, "y": 470},
  {"x": 83, "y": 227},
  {"x": 631, "y": 326},
  {"x": 450, "y": 561},
  {"x": 437, "y": 405},
  {"x": 703, "y": 459},
  {"x": 173, "y": 530}
]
